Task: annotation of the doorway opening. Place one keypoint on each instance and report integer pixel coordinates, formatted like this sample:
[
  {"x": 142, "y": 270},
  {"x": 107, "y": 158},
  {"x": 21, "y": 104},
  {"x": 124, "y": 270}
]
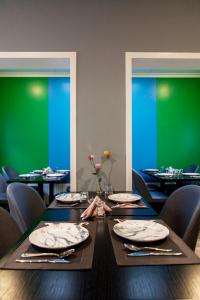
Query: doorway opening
[
  {"x": 163, "y": 72},
  {"x": 45, "y": 78}
]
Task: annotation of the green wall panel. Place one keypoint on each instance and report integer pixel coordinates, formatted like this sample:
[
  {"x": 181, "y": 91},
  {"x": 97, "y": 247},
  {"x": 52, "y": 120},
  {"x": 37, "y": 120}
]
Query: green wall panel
[
  {"x": 24, "y": 123},
  {"x": 178, "y": 113}
]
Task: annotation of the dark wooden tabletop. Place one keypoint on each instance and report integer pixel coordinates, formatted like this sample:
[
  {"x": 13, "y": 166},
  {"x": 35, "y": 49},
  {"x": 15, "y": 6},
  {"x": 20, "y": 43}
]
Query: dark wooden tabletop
[
  {"x": 105, "y": 280},
  {"x": 40, "y": 180}
]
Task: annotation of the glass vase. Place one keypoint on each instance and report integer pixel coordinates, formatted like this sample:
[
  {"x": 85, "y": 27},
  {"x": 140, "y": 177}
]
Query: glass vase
[{"x": 98, "y": 185}]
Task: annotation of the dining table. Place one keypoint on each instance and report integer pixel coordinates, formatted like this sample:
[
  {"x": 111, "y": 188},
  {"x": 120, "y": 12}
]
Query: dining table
[
  {"x": 110, "y": 274},
  {"x": 177, "y": 179},
  {"x": 40, "y": 180}
]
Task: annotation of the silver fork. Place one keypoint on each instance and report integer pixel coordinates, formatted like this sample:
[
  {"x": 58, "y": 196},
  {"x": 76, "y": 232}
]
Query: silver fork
[
  {"x": 136, "y": 248},
  {"x": 63, "y": 254}
]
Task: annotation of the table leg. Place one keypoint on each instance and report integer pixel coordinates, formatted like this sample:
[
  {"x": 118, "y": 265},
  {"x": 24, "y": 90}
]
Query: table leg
[
  {"x": 40, "y": 189},
  {"x": 51, "y": 191}
]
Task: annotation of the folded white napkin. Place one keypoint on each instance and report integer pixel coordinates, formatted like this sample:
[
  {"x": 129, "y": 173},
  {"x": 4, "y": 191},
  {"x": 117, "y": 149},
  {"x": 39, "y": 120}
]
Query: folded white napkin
[{"x": 94, "y": 208}]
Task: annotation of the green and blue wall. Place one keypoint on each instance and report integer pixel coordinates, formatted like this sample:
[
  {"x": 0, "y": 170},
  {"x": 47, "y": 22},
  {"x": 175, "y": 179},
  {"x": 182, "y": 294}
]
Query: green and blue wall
[
  {"x": 165, "y": 122},
  {"x": 35, "y": 123}
]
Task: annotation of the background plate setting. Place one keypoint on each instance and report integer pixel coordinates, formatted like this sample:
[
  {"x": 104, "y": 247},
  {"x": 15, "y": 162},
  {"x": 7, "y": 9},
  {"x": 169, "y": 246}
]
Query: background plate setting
[
  {"x": 123, "y": 197},
  {"x": 68, "y": 197}
]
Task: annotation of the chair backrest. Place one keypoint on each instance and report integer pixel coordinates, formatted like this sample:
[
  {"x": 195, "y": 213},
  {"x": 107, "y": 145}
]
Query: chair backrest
[
  {"x": 9, "y": 232},
  {"x": 25, "y": 204},
  {"x": 140, "y": 185},
  {"x": 191, "y": 168},
  {"x": 9, "y": 173},
  {"x": 3, "y": 184},
  {"x": 182, "y": 213}
]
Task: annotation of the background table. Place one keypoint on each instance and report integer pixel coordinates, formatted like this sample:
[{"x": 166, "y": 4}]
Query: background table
[
  {"x": 106, "y": 280},
  {"x": 178, "y": 180},
  {"x": 40, "y": 181}
]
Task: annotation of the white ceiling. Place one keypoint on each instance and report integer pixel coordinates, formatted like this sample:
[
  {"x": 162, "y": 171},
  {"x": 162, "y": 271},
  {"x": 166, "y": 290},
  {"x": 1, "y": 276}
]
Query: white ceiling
[
  {"x": 166, "y": 66},
  {"x": 35, "y": 65}
]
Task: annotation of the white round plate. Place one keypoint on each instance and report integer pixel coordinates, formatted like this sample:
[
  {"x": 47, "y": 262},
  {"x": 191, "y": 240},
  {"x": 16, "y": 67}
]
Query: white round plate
[
  {"x": 151, "y": 170},
  {"x": 58, "y": 235},
  {"x": 123, "y": 197},
  {"x": 164, "y": 174},
  {"x": 27, "y": 175},
  {"x": 141, "y": 231},
  {"x": 68, "y": 197},
  {"x": 191, "y": 174},
  {"x": 54, "y": 175}
]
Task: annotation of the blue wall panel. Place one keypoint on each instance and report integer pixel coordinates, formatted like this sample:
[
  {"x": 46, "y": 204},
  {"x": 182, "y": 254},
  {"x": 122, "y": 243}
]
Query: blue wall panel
[
  {"x": 144, "y": 123},
  {"x": 59, "y": 122}
]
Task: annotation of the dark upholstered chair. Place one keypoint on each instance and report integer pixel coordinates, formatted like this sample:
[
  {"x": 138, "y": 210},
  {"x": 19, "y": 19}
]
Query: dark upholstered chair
[
  {"x": 9, "y": 232},
  {"x": 3, "y": 187},
  {"x": 9, "y": 173},
  {"x": 191, "y": 168},
  {"x": 156, "y": 198},
  {"x": 182, "y": 213},
  {"x": 151, "y": 182},
  {"x": 25, "y": 204}
]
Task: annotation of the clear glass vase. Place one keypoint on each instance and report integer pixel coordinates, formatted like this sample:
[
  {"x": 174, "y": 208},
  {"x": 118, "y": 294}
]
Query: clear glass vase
[{"x": 98, "y": 185}]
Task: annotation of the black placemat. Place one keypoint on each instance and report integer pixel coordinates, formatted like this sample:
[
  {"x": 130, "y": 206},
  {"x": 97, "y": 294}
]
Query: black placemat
[
  {"x": 58, "y": 205},
  {"x": 81, "y": 259},
  {"x": 172, "y": 242}
]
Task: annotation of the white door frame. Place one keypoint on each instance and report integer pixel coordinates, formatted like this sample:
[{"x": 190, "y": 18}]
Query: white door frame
[
  {"x": 129, "y": 57},
  {"x": 72, "y": 57}
]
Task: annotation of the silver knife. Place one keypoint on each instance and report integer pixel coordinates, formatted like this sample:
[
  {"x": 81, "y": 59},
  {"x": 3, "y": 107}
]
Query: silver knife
[
  {"x": 54, "y": 261},
  {"x": 138, "y": 254}
]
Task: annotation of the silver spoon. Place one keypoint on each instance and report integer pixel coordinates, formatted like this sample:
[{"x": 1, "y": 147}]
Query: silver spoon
[
  {"x": 136, "y": 248},
  {"x": 61, "y": 255}
]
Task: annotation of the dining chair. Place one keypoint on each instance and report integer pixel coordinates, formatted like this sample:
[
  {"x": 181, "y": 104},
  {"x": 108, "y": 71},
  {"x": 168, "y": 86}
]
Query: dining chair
[
  {"x": 9, "y": 172},
  {"x": 191, "y": 168},
  {"x": 25, "y": 204},
  {"x": 152, "y": 183},
  {"x": 181, "y": 212},
  {"x": 9, "y": 232},
  {"x": 3, "y": 196},
  {"x": 156, "y": 198}
]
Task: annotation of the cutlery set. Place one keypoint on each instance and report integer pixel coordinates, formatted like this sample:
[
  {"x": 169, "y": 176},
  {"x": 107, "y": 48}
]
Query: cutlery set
[
  {"x": 139, "y": 254},
  {"x": 67, "y": 204},
  {"x": 54, "y": 261},
  {"x": 153, "y": 251},
  {"x": 60, "y": 258}
]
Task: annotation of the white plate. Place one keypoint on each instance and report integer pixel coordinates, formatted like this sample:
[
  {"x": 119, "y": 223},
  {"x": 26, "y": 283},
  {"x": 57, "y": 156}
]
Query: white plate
[
  {"x": 141, "y": 231},
  {"x": 54, "y": 175},
  {"x": 164, "y": 174},
  {"x": 68, "y": 197},
  {"x": 27, "y": 175},
  {"x": 58, "y": 235},
  {"x": 151, "y": 170},
  {"x": 123, "y": 198},
  {"x": 191, "y": 174},
  {"x": 63, "y": 171}
]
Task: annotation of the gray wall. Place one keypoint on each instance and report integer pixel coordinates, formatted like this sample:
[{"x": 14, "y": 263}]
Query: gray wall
[{"x": 100, "y": 31}]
